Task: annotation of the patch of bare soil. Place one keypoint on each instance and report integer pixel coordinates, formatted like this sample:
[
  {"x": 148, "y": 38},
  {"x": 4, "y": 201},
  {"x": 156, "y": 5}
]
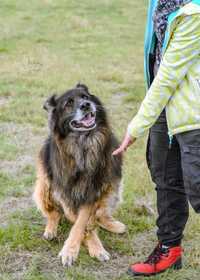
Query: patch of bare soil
[
  {"x": 15, "y": 264},
  {"x": 23, "y": 136},
  {"x": 113, "y": 269},
  {"x": 3, "y": 101},
  {"x": 13, "y": 204},
  {"x": 28, "y": 144},
  {"x": 16, "y": 167}
]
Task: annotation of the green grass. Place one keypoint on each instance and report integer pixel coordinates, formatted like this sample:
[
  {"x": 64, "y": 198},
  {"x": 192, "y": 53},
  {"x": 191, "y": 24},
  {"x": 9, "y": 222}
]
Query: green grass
[
  {"x": 8, "y": 150},
  {"x": 15, "y": 187},
  {"x": 47, "y": 47}
]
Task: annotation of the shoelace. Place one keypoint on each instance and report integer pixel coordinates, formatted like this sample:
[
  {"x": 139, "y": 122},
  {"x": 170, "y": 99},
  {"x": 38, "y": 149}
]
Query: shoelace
[{"x": 156, "y": 255}]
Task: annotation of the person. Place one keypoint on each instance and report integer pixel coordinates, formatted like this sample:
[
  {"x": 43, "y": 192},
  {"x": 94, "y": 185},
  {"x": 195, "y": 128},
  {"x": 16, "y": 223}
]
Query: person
[{"x": 171, "y": 113}]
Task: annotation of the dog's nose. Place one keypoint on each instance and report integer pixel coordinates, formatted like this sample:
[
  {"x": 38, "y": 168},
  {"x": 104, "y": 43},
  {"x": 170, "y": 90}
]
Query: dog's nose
[{"x": 85, "y": 106}]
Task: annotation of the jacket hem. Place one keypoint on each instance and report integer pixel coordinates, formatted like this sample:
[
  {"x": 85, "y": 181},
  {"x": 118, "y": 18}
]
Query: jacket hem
[{"x": 184, "y": 129}]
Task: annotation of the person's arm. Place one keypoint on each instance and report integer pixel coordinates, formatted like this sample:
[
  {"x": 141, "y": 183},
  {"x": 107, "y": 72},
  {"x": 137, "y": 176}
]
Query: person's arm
[{"x": 182, "y": 51}]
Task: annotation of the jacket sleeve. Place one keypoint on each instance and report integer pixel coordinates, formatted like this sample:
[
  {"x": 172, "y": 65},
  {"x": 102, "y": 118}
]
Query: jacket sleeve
[{"x": 183, "y": 49}]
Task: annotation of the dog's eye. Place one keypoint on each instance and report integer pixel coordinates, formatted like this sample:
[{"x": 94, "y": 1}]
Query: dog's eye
[
  {"x": 69, "y": 102},
  {"x": 84, "y": 96}
]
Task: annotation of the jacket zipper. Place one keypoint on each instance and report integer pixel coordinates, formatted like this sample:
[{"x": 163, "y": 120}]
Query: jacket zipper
[
  {"x": 170, "y": 140},
  {"x": 148, "y": 43}
]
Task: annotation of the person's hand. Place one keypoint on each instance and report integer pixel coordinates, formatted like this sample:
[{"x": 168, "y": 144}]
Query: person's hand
[{"x": 127, "y": 141}]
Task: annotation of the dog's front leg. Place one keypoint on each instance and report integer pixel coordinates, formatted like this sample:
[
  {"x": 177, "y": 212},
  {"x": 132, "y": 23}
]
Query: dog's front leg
[{"x": 71, "y": 247}]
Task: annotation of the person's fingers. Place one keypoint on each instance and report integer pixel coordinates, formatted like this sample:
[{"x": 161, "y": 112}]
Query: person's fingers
[
  {"x": 122, "y": 148},
  {"x": 118, "y": 151},
  {"x": 128, "y": 140}
]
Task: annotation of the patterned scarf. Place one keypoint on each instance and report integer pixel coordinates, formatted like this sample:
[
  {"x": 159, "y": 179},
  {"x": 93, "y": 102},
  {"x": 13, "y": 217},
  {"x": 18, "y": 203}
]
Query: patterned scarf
[{"x": 163, "y": 9}]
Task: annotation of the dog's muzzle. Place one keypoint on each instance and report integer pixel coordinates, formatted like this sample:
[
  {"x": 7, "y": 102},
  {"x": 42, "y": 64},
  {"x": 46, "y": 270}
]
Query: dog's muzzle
[{"x": 86, "y": 123}]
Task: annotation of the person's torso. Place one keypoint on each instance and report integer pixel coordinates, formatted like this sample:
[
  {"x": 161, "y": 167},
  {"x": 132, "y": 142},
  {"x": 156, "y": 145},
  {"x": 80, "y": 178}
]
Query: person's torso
[
  {"x": 150, "y": 38},
  {"x": 183, "y": 108}
]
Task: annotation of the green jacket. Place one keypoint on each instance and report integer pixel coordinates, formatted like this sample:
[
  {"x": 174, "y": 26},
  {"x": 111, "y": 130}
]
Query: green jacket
[{"x": 176, "y": 86}]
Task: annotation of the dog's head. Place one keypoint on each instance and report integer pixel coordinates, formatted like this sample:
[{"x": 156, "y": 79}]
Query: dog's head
[{"x": 75, "y": 111}]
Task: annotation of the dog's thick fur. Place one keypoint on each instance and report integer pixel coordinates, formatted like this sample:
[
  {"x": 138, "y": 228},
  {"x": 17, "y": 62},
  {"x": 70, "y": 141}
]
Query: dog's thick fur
[{"x": 78, "y": 176}]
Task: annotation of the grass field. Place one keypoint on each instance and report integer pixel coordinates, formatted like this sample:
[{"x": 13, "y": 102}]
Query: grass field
[{"x": 47, "y": 46}]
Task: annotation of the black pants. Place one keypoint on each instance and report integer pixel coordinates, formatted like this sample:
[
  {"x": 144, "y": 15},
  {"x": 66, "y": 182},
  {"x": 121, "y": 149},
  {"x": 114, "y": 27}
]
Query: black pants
[{"x": 176, "y": 172}]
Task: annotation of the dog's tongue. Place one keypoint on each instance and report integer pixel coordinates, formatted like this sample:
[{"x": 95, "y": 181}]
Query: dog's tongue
[{"x": 88, "y": 120}]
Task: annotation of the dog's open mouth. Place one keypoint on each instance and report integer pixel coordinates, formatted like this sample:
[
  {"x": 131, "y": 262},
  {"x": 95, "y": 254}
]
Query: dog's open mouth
[{"x": 84, "y": 124}]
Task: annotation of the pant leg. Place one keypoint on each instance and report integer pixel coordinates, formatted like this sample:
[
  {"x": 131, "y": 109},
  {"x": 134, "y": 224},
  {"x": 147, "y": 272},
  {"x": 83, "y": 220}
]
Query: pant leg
[
  {"x": 166, "y": 173},
  {"x": 190, "y": 152}
]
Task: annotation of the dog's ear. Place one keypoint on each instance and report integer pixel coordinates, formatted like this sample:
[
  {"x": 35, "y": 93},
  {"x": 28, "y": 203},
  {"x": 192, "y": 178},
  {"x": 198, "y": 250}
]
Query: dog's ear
[
  {"x": 50, "y": 103},
  {"x": 79, "y": 85}
]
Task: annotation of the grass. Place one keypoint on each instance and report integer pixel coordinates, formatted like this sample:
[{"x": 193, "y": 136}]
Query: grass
[
  {"x": 47, "y": 47},
  {"x": 8, "y": 149}
]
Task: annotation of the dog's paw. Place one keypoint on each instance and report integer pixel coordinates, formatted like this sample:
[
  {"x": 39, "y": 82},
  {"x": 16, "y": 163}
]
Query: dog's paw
[
  {"x": 113, "y": 226},
  {"x": 48, "y": 235},
  {"x": 68, "y": 255},
  {"x": 101, "y": 254},
  {"x": 119, "y": 227}
]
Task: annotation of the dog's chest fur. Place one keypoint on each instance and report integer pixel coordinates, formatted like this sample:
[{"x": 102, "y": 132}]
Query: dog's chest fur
[{"x": 81, "y": 167}]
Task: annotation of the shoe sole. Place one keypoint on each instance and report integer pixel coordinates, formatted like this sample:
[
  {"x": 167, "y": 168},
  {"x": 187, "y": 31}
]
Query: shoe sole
[{"x": 176, "y": 266}]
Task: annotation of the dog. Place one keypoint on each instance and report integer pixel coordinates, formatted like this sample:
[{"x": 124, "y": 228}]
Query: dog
[{"x": 76, "y": 173}]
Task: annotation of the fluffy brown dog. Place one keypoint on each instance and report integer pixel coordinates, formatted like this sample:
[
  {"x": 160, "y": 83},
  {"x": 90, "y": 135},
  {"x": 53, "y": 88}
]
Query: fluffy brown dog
[{"x": 77, "y": 174}]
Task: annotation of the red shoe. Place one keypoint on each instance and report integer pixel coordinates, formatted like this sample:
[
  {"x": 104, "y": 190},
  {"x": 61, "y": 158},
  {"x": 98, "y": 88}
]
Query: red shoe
[{"x": 161, "y": 259}]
